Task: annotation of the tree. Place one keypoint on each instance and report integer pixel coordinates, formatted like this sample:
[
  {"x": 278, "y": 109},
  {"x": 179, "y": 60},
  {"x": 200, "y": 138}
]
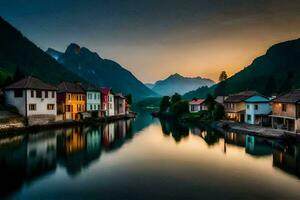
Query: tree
[
  {"x": 164, "y": 104},
  {"x": 128, "y": 98},
  {"x": 180, "y": 108},
  {"x": 210, "y": 102},
  {"x": 218, "y": 112},
  {"x": 223, "y": 76},
  {"x": 175, "y": 98}
]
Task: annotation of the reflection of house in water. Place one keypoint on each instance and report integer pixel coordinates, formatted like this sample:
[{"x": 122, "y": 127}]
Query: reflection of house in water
[
  {"x": 235, "y": 138},
  {"x": 41, "y": 154},
  {"x": 12, "y": 164},
  {"x": 288, "y": 159},
  {"x": 108, "y": 134},
  {"x": 257, "y": 146},
  {"x": 78, "y": 147}
]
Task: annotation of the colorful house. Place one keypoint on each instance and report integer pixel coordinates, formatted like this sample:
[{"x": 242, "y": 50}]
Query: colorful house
[
  {"x": 235, "y": 106},
  {"x": 257, "y": 110},
  {"x": 286, "y": 111},
  {"x": 104, "y": 100},
  {"x": 71, "y": 100},
  {"x": 33, "y": 98},
  {"x": 120, "y": 104},
  {"x": 93, "y": 97},
  {"x": 197, "y": 105}
]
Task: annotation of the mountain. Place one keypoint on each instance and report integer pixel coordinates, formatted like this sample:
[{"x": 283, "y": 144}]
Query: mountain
[
  {"x": 180, "y": 84},
  {"x": 101, "y": 72},
  {"x": 16, "y": 51},
  {"x": 277, "y": 71},
  {"x": 150, "y": 85}
]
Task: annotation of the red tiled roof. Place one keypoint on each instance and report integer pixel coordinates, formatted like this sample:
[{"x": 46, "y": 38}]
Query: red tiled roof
[
  {"x": 30, "y": 82},
  {"x": 105, "y": 90},
  {"x": 197, "y": 102},
  {"x": 69, "y": 87}
]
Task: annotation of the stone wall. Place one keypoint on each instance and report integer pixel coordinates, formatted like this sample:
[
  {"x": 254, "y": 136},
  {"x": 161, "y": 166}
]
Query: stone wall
[{"x": 41, "y": 119}]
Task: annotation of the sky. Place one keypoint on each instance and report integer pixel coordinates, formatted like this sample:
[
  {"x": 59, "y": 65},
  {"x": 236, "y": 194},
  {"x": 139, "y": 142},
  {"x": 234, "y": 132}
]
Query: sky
[{"x": 156, "y": 38}]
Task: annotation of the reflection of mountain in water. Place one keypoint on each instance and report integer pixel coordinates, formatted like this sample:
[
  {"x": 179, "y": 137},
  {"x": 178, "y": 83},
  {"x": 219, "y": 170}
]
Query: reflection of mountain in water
[{"x": 24, "y": 159}]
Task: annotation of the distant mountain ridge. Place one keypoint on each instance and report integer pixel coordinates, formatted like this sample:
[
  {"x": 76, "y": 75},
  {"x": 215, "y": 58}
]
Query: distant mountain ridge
[
  {"x": 273, "y": 73},
  {"x": 180, "y": 84},
  {"x": 16, "y": 51},
  {"x": 100, "y": 72}
]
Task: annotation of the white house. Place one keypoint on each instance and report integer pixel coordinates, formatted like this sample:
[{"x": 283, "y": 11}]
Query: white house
[
  {"x": 111, "y": 104},
  {"x": 32, "y": 97},
  {"x": 197, "y": 105},
  {"x": 257, "y": 110}
]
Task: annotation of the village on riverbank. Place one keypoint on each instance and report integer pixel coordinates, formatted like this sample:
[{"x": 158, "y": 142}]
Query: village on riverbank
[
  {"x": 30, "y": 102},
  {"x": 245, "y": 112}
]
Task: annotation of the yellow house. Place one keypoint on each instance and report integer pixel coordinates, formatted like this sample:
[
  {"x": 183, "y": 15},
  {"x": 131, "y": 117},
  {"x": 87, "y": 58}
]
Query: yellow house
[{"x": 71, "y": 100}]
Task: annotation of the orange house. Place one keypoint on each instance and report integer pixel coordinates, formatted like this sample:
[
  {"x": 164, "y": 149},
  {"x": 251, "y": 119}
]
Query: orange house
[{"x": 70, "y": 100}]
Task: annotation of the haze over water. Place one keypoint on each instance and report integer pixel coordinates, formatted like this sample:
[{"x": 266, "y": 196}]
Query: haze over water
[{"x": 146, "y": 159}]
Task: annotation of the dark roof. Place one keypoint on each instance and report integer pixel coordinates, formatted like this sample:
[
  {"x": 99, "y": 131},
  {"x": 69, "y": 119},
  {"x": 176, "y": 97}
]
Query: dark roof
[
  {"x": 30, "y": 82},
  {"x": 239, "y": 97},
  {"x": 88, "y": 87},
  {"x": 69, "y": 87},
  {"x": 105, "y": 90},
  {"x": 292, "y": 96},
  {"x": 120, "y": 95}
]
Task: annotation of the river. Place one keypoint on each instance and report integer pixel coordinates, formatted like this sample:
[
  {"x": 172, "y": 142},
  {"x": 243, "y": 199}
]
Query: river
[{"x": 147, "y": 159}]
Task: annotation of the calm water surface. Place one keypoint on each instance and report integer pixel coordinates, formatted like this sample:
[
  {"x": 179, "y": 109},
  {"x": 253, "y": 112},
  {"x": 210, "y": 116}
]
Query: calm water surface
[{"x": 147, "y": 159}]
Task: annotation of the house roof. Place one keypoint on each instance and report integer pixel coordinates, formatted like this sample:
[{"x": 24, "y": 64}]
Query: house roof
[
  {"x": 120, "y": 95},
  {"x": 88, "y": 87},
  {"x": 30, "y": 82},
  {"x": 239, "y": 97},
  {"x": 292, "y": 96},
  {"x": 197, "y": 102},
  {"x": 69, "y": 87},
  {"x": 105, "y": 90},
  {"x": 257, "y": 99}
]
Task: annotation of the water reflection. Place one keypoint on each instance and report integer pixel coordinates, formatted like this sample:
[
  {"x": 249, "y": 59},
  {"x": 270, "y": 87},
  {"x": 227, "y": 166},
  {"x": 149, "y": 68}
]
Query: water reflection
[
  {"x": 26, "y": 158},
  {"x": 285, "y": 156}
]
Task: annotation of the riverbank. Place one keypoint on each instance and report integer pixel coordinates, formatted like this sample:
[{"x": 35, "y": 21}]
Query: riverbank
[
  {"x": 254, "y": 130},
  {"x": 17, "y": 125}
]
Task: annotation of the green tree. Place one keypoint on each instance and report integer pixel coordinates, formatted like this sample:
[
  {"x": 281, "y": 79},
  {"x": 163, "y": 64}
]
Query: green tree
[
  {"x": 210, "y": 102},
  {"x": 180, "y": 108},
  {"x": 223, "y": 76},
  {"x": 218, "y": 112},
  {"x": 164, "y": 104},
  {"x": 175, "y": 98},
  {"x": 128, "y": 98}
]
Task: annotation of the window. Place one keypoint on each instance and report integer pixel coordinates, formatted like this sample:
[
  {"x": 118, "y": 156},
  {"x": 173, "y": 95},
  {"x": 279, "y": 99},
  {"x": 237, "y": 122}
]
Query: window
[
  {"x": 110, "y": 98},
  {"x": 91, "y": 107},
  {"x": 69, "y": 97},
  {"x": 53, "y": 94},
  {"x": 68, "y": 108},
  {"x": 46, "y": 94},
  {"x": 283, "y": 108},
  {"x": 32, "y": 93},
  {"x": 18, "y": 93},
  {"x": 95, "y": 107},
  {"x": 248, "y": 106},
  {"x": 98, "y": 107},
  {"x": 50, "y": 106},
  {"x": 32, "y": 106},
  {"x": 248, "y": 117},
  {"x": 38, "y": 94},
  {"x": 110, "y": 106},
  {"x": 256, "y": 107},
  {"x": 90, "y": 96}
]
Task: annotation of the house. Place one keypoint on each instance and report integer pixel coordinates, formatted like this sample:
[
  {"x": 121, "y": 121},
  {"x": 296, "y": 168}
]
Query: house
[
  {"x": 235, "y": 106},
  {"x": 33, "y": 98},
  {"x": 258, "y": 108},
  {"x": 286, "y": 111},
  {"x": 105, "y": 93},
  {"x": 93, "y": 100},
  {"x": 221, "y": 99},
  {"x": 111, "y": 104},
  {"x": 71, "y": 100},
  {"x": 197, "y": 105},
  {"x": 119, "y": 104}
]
